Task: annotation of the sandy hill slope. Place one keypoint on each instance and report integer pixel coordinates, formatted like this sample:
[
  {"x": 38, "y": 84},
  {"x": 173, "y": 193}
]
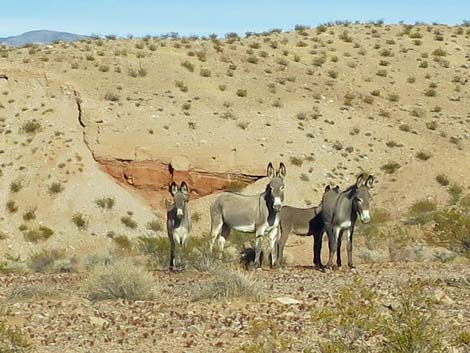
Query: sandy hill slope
[{"x": 120, "y": 119}]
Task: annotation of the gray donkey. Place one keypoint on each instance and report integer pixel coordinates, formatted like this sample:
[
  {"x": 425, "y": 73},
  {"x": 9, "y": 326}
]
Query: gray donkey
[
  {"x": 250, "y": 213},
  {"x": 178, "y": 221},
  {"x": 339, "y": 215},
  {"x": 303, "y": 222}
]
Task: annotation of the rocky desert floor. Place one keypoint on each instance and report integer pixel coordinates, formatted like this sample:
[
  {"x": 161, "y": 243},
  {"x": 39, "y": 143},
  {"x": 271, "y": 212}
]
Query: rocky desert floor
[
  {"x": 282, "y": 318},
  {"x": 93, "y": 132}
]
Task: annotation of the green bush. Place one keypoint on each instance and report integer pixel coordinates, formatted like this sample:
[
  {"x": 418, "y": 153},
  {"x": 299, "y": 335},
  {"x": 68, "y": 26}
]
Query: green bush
[
  {"x": 359, "y": 317},
  {"x": 452, "y": 230}
]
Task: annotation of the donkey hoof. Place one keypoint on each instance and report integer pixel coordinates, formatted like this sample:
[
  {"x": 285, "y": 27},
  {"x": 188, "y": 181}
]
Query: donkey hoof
[
  {"x": 352, "y": 267},
  {"x": 320, "y": 268}
]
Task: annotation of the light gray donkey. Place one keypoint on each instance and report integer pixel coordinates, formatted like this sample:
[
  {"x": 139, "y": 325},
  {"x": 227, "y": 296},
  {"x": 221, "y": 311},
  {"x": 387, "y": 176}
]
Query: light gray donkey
[
  {"x": 339, "y": 215},
  {"x": 178, "y": 221},
  {"x": 250, "y": 213}
]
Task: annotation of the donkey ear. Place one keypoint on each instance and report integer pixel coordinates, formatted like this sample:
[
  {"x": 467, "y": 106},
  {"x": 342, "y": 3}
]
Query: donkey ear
[
  {"x": 173, "y": 188},
  {"x": 359, "y": 180},
  {"x": 282, "y": 171},
  {"x": 184, "y": 188},
  {"x": 327, "y": 188},
  {"x": 270, "y": 172},
  {"x": 369, "y": 181}
]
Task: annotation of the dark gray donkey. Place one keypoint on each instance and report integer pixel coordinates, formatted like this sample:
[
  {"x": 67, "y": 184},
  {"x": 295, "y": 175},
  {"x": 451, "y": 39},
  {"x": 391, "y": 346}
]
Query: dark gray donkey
[
  {"x": 339, "y": 215},
  {"x": 178, "y": 222},
  {"x": 250, "y": 213},
  {"x": 303, "y": 222}
]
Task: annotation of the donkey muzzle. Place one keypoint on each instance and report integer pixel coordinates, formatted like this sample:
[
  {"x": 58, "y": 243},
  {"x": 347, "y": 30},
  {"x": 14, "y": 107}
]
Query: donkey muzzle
[
  {"x": 365, "y": 216},
  {"x": 179, "y": 213},
  {"x": 277, "y": 203}
]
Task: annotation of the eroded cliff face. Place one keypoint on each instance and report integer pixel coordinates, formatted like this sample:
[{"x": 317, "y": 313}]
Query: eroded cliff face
[{"x": 151, "y": 178}]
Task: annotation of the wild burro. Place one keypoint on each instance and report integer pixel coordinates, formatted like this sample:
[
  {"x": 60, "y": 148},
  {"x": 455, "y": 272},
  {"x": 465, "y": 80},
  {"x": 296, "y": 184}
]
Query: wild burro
[
  {"x": 303, "y": 222},
  {"x": 250, "y": 213},
  {"x": 178, "y": 221},
  {"x": 340, "y": 211}
]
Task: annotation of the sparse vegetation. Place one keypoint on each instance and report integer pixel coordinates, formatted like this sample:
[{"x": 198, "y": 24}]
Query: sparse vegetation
[
  {"x": 228, "y": 284},
  {"x": 119, "y": 280},
  {"x": 390, "y": 167},
  {"x": 80, "y": 221}
]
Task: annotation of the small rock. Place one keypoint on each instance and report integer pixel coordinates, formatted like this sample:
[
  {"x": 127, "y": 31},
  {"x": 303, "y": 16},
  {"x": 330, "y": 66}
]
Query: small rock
[
  {"x": 98, "y": 322},
  {"x": 287, "y": 300}
]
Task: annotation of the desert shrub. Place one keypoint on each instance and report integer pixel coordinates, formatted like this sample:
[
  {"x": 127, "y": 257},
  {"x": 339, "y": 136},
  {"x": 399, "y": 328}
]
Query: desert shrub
[
  {"x": 242, "y": 92},
  {"x": 359, "y": 317},
  {"x": 105, "y": 203},
  {"x": 129, "y": 222},
  {"x": 390, "y": 167},
  {"x": 452, "y": 230},
  {"x": 243, "y": 125},
  {"x": 119, "y": 280},
  {"x": 104, "y": 68},
  {"x": 205, "y": 73},
  {"x": 333, "y": 74},
  {"x": 31, "y": 127},
  {"x": 252, "y": 59},
  {"x": 31, "y": 292},
  {"x": 29, "y": 215},
  {"x": 80, "y": 221},
  {"x": 393, "y": 97},
  {"x": 442, "y": 179},
  {"x": 296, "y": 161},
  {"x": 368, "y": 99},
  {"x": 422, "y": 206},
  {"x": 432, "y": 125},
  {"x": 188, "y": 65},
  {"x": 55, "y": 188},
  {"x": 382, "y": 73},
  {"x": 122, "y": 243},
  {"x": 40, "y": 234},
  {"x": 455, "y": 192},
  {"x": 11, "y": 206},
  {"x": 430, "y": 92},
  {"x": 45, "y": 260},
  {"x": 405, "y": 127},
  {"x": 267, "y": 336},
  {"x": 155, "y": 225},
  {"x": 375, "y": 93},
  {"x": 227, "y": 284},
  {"x": 112, "y": 97},
  {"x": 422, "y": 155},
  {"x": 12, "y": 339}
]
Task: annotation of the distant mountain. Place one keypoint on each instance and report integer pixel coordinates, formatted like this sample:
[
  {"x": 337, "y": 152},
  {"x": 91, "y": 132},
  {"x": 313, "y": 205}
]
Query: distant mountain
[{"x": 40, "y": 37}]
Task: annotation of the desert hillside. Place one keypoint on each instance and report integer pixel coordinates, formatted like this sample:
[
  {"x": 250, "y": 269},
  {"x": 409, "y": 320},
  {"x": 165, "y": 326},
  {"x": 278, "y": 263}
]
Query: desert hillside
[
  {"x": 330, "y": 102},
  {"x": 94, "y": 131}
]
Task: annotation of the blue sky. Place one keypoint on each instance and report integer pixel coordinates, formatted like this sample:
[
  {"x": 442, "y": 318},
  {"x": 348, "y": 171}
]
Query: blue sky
[{"x": 141, "y": 17}]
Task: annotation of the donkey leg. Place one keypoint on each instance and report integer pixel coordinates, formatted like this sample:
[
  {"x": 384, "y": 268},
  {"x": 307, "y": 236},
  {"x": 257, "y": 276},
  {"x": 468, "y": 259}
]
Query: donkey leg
[
  {"x": 273, "y": 241},
  {"x": 258, "y": 249},
  {"x": 317, "y": 245},
  {"x": 350, "y": 240},
  {"x": 338, "y": 248},
  {"x": 172, "y": 253},
  {"x": 332, "y": 244},
  {"x": 216, "y": 227}
]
